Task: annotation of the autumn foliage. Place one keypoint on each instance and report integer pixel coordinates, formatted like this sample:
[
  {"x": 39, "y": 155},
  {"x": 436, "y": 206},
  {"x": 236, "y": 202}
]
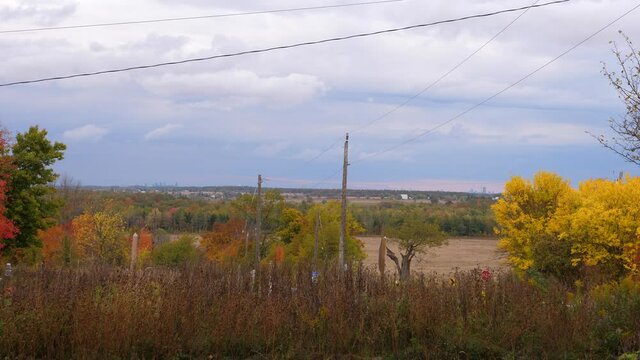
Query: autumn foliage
[
  {"x": 547, "y": 226},
  {"x": 100, "y": 237},
  {"x": 53, "y": 243},
  {"x": 145, "y": 241},
  {"x": 225, "y": 241},
  {"x": 7, "y": 229}
]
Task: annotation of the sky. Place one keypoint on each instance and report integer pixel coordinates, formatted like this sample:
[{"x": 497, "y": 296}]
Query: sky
[{"x": 224, "y": 121}]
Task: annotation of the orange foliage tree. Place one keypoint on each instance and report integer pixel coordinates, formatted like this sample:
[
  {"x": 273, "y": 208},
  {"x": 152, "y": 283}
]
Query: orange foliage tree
[
  {"x": 53, "y": 244},
  {"x": 225, "y": 241},
  {"x": 145, "y": 242}
]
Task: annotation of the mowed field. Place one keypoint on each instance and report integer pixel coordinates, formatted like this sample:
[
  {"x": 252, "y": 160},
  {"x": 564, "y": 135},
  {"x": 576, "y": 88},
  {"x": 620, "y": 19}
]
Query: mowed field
[{"x": 461, "y": 253}]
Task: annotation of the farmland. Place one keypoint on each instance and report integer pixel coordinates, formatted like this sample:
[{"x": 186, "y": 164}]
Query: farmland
[{"x": 458, "y": 254}]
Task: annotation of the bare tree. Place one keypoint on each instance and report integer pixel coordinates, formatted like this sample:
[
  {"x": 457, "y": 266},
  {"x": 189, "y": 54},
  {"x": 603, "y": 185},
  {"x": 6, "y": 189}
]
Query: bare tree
[
  {"x": 626, "y": 82},
  {"x": 71, "y": 194}
]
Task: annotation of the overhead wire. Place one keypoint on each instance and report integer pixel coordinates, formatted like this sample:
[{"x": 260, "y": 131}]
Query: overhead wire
[
  {"x": 443, "y": 76},
  {"x": 326, "y": 179},
  {"x": 425, "y": 89},
  {"x": 186, "y": 18},
  {"x": 477, "y": 105},
  {"x": 281, "y": 47},
  {"x": 327, "y": 149}
]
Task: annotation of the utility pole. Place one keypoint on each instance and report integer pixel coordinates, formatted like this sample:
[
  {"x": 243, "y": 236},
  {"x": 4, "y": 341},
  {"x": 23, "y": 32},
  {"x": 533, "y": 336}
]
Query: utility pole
[
  {"x": 134, "y": 251},
  {"x": 315, "y": 243},
  {"x": 258, "y": 222},
  {"x": 343, "y": 212},
  {"x": 246, "y": 241}
]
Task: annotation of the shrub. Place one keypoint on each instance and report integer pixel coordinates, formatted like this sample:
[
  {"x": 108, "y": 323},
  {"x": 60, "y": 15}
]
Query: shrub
[{"x": 176, "y": 253}]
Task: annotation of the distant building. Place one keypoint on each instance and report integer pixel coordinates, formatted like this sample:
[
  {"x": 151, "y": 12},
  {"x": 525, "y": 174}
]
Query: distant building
[{"x": 404, "y": 196}]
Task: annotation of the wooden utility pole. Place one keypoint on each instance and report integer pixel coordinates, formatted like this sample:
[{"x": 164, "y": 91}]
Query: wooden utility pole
[
  {"x": 246, "y": 241},
  {"x": 258, "y": 221},
  {"x": 382, "y": 255},
  {"x": 343, "y": 212},
  {"x": 315, "y": 243},
  {"x": 134, "y": 251}
]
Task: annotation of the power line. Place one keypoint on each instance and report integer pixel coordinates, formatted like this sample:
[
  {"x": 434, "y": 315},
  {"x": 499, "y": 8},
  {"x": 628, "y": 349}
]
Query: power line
[
  {"x": 387, "y": 31},
  {"x": 196, "y": 17},
  {"x": 427, "y": 88},
  {"x": 338, "y": 140},
  {"x": 325, "y": 180},
  {"x": 468, "y": 110},
  {"x": 438, "y": 80}
]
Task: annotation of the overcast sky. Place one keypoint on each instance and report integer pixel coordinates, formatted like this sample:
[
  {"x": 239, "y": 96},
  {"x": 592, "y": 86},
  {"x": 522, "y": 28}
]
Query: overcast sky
[{"x": 222, "y": 122}]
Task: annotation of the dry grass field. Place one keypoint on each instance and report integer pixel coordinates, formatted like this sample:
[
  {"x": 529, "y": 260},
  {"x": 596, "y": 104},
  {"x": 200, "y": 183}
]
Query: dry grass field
[{"x": 461, "y": 253}]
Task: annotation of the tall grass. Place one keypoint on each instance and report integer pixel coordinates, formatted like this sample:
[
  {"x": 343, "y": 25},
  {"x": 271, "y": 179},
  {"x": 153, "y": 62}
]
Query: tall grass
[{"x": 216, "y": 311}]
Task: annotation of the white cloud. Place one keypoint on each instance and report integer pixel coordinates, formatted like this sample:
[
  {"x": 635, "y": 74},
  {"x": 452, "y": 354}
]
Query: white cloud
[
  {"x": 236, "y": 88},
  {"x": 88, "y": 132},
  {"x": 271, "y": 149},
  {"x": 43, "y": 14},
  {"x": 522, "y": 132},
  {"x": 161, "y": 131}
]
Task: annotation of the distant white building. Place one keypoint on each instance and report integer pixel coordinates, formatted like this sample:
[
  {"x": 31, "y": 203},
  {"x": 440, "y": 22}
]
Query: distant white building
[{"x": 404, "y": 196}]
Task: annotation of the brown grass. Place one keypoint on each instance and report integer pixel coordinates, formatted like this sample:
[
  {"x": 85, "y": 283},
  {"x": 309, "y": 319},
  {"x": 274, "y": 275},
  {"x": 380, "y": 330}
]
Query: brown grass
[{"x": 214, "y": 311}]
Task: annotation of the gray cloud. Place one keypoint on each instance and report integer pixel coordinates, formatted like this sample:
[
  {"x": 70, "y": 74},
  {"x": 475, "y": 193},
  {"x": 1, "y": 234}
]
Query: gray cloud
[
  {"x": 287, "y": 106},
  {"x": 42, "y": 13}
]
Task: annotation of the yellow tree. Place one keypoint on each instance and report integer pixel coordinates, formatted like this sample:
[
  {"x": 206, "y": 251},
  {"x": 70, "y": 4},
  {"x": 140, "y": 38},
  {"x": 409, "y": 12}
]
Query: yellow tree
[
  {"x": 531, "y": 217},
  {"x": 605, "y": 229},
  {"x": 547, "y": 226},
  {"x": 100, "y": 237},
  {"x": 292, "y": 222}
]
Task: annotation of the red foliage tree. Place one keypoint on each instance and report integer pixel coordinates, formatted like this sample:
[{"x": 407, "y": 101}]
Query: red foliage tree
[{"x": 7, "y": 229}]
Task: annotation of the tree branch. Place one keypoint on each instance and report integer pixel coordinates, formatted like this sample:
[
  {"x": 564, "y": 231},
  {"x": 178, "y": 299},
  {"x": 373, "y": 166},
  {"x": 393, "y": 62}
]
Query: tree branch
[{"x": 393, "y": 257}]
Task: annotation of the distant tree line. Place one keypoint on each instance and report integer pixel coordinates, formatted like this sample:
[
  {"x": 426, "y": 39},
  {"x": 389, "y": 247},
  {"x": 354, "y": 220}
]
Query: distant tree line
[{"x": 467, "y": 218}]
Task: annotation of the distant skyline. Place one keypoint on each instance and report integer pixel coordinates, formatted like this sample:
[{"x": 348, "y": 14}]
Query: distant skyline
[{"x": 222, "y": 122}]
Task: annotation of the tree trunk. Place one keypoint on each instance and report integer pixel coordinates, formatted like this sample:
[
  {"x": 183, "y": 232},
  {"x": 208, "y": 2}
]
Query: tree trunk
[
  {"x": 404, "y": 265},
  {"x": 405, "y": 269}
]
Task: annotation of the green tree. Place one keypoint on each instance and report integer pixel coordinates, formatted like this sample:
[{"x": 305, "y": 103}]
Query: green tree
[
  {"x": 153, "y": 220},
  {"x": 244, "y": 207},
  {"x": 302, "y": 245},
  {"x": 413, "y": 234},
  {"x": 176, "y": 253},
  {"x": 31, "y": 205}
]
